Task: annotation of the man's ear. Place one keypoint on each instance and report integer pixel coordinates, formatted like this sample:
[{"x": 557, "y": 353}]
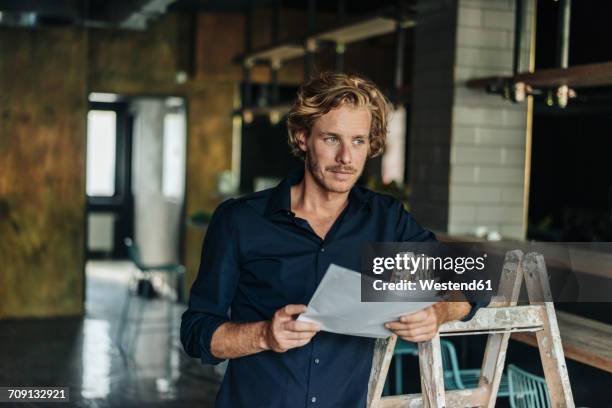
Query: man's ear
[{"x": 301, "y": 139}]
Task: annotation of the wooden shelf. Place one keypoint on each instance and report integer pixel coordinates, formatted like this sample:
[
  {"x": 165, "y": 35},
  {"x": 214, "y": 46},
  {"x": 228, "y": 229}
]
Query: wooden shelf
[
  {"x": 362, "y": 30},
  {"x": 579, "y": 76},
  {"x": 584, "y": 340},
  {"x": 264, "y": 110},
  {"x": 345, "y": 34},
  {"x": 282, "y": 52}
]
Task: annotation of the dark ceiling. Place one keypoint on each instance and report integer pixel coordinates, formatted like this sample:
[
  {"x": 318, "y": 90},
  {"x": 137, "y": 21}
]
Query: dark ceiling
[{"x": 135, "y": 13}]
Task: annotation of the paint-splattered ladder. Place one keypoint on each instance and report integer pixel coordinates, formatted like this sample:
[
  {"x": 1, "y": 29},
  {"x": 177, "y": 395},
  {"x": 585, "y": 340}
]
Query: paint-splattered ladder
[{"x": 498, "y": 320}]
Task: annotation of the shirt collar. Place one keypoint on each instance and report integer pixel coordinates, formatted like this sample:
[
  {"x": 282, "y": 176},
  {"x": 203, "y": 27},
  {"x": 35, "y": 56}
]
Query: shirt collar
[{"x": 280, "y": 197}]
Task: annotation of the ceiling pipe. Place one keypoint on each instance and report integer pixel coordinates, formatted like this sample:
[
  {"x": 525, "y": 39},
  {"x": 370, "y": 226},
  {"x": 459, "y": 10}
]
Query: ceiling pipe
[
  {"x": 137, "y": 20},
  {"x": 563, "y": 36},
  {"x": 518, "y": 29}
]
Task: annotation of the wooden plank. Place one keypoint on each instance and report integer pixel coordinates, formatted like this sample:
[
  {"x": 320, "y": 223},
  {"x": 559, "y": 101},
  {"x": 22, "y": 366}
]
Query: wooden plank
[
  {"x": 432, "y": 375},
  {"x": 456, "y": 399},
  {"x": 383, "y": 353},
  {"x": 584, "y": 340},
  {"x": 579, "y": 76},
  {"x": 549, "y": 339},
  {"x": 510, "y": 284}
]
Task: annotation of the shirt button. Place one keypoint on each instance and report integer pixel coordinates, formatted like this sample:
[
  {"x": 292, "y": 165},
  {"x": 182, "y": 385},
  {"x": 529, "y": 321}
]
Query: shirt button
[
  {"x": 313, "y": 399},
  {"x": 323, "y": 249},
  {"x": 316, "y": 361}
]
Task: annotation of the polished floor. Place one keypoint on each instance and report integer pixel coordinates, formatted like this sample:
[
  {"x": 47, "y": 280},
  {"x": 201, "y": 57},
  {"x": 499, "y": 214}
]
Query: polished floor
[{"x": 83, "y": 353}]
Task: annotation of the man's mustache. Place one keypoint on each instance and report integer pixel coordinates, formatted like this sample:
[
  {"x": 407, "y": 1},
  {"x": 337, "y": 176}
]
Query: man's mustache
[{"x": 342, "y": 169}]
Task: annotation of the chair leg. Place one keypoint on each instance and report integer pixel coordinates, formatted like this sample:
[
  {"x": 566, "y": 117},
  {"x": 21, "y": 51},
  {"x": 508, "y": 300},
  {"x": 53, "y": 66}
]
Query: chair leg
[
  {"x": 169, "y": 328},
  {"x": 138, "y": 321},
  {"x": 399, "y": 381},
  {"x": 123, "y": 321}
]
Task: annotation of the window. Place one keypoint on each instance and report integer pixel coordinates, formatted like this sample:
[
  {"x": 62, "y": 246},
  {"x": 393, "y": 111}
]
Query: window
[{"x": 101, "y": 153}]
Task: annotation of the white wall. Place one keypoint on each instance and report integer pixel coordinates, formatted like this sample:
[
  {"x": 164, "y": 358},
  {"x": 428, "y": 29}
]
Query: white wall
[{"x": 488, "y": 133}]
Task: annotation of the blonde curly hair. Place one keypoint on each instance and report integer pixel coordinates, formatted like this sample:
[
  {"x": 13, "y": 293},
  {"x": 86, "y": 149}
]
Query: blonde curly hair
[{"x": 328, "y": 91}]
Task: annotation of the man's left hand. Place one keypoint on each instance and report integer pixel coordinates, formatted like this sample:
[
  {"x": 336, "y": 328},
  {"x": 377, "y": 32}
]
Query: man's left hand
[{"x": 420, "y": 326}]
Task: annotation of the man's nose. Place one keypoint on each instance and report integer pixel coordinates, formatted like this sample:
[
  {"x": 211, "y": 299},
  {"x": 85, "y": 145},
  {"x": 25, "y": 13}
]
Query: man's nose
[{"x": 344, "y": 154}]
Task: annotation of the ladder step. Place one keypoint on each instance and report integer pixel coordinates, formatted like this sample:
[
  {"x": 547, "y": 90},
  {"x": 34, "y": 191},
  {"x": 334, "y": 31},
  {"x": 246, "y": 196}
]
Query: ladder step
[
  {"x": 456, "y": 399},
  {"x": 493, "y": 331},
  {"x": 498, "y": 320}
]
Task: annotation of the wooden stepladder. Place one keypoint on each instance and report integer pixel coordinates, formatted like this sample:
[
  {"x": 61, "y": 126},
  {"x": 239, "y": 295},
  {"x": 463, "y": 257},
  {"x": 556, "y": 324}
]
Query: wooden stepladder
[{"x": 501, "y": 318}]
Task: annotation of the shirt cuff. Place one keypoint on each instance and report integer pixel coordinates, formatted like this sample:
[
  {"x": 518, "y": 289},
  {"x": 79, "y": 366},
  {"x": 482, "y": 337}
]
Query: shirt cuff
[{"x": 475, "y": 306}]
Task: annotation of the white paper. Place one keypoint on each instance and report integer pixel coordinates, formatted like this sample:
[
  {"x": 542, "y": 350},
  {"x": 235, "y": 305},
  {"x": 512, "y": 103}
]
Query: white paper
[{"x": 336, "y": 305}]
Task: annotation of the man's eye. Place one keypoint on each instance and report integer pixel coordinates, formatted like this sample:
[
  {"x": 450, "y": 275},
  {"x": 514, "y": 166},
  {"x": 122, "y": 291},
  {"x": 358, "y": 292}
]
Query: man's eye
[
  {"x": 331, "y": 140},
  {"x": 359, "y": 141}
]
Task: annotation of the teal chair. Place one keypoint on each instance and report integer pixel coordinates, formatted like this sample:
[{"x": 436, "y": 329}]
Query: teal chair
[
  {"x": 176, "y": 271},
  {"x": 402, "y": 348},
  {"x": 461, "y": 379},
  {"x": 454, "y": 377},
  {"x": 527, "y": 390}
]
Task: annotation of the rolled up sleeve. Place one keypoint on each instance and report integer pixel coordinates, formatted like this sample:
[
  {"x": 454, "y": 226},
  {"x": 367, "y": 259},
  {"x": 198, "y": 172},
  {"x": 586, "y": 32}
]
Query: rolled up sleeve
[
  {"x": 409, "y": 230},
  {"x": 213, "y": 290}
]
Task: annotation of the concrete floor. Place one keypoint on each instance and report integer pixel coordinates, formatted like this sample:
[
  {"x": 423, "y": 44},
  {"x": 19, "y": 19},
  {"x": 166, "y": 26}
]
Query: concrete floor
[{"x": 82, "y": 353}]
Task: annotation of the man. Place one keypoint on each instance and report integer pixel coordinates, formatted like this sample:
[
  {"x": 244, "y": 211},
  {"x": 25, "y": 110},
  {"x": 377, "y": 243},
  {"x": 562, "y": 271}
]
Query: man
[{"x": 265, "y": 254}]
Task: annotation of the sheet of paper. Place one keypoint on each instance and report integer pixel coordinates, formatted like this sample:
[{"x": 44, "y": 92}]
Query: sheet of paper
[{"x": 336, "y": 305}]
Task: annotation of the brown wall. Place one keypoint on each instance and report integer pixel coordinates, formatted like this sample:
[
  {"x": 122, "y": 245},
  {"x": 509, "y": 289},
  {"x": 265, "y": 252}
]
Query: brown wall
[
  {"x": 45, "y": 76},
  {"x": 42, "y": 192}
]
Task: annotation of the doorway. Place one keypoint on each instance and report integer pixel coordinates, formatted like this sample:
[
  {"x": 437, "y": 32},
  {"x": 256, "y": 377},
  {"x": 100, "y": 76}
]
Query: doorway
[{"x": 135, "y": 180}]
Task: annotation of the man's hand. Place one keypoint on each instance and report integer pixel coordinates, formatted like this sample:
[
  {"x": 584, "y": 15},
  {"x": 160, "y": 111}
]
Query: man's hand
[
  {"x": 284, "y": 332},
  {"x": 419, "y": 326},
  {"x": 424, "y": 324}
]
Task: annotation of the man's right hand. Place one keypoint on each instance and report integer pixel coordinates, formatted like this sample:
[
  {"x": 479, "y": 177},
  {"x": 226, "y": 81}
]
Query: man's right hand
[{"x": 284, "y": 332}]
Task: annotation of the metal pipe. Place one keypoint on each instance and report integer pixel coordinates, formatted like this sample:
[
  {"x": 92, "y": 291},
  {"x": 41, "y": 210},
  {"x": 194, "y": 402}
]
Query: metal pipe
[
  {"x": 340, "y": 47},
  {"x": 563, "y": 33},
  {"x": 341, "y": 11},
  {"x": 276, "y": 20},
  {"x": 400, "y": 46},
  {"x": 518, "y": 28},
  {"x": 275, "y": 66},
  {"x": 310, "y": 28},
  {"x": 339, "y": 63},
  {"x": 312, "y": 9},
  {"x": 248, "y": 45},
  {"x": 275, "y": 97}
]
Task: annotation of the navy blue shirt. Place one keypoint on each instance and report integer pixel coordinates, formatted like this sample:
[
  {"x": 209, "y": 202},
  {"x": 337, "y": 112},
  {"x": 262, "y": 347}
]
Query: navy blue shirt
[{"x": 258, "y": 257}]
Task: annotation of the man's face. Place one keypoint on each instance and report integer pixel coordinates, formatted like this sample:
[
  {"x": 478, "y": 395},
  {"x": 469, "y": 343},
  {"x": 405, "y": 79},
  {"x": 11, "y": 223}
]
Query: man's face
[{"x": 337, "y": 148}]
